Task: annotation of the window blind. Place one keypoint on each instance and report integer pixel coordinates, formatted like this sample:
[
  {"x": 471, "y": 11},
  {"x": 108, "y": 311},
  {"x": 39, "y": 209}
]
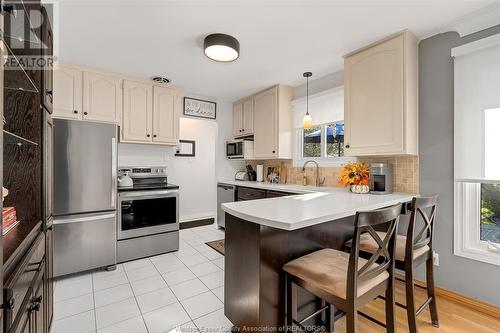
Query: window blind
[{"x": 477, "y": 110}]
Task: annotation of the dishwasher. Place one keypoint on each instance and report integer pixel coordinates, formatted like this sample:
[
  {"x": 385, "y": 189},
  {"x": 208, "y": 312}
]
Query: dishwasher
[{"x": 225, "y": 193}]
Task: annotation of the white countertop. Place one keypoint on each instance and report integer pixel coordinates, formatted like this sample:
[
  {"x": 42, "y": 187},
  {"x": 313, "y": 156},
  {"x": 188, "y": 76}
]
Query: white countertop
[{"x": 314, "y": 206}]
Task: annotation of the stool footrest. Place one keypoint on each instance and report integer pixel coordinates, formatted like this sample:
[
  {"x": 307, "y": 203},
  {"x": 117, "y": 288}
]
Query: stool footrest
[{"x": 376, "y": 321}]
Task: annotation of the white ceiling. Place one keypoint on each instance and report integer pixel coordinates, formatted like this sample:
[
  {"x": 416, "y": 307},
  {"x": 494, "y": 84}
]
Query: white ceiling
[{"x": 279, "y": 40}]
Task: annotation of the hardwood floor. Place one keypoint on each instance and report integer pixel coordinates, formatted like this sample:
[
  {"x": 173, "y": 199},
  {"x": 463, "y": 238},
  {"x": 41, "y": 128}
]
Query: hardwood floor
[{"x": 453, "y": 317}]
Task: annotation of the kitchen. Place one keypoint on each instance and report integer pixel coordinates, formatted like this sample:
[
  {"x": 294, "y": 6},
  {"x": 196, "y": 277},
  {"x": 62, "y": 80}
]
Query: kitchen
[{"x": 146, "y": 197}]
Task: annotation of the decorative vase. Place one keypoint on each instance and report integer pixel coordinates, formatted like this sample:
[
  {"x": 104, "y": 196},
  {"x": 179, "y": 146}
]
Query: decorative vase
[{"x": 360, "y": 189}]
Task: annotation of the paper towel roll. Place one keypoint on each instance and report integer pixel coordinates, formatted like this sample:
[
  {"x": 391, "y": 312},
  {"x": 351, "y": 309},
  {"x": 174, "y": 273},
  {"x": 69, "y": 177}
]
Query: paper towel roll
[{"x": 260, "y": 173}]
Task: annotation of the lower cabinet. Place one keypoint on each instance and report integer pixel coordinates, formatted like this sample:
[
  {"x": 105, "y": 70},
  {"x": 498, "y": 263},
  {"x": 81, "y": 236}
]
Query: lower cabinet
[
  {"x": 49, "y": 276},
  {"x": 28, "y": 291}
]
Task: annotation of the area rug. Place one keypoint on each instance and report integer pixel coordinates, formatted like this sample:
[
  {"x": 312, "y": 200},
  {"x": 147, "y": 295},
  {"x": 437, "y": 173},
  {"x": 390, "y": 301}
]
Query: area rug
[{"x": 217, "y": 245}]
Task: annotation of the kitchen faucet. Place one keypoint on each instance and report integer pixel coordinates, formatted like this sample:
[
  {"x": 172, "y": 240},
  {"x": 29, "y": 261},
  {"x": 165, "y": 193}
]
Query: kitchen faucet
[{"x": 318, "y": 181}]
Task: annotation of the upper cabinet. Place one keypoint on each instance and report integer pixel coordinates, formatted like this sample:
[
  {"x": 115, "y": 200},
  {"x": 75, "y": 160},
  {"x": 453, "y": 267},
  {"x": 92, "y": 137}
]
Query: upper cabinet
[
  {"x": 381, "y": 98},
  {"x": 68, "y": 92},
  {"x": 268, "y": 117},
  {"x": 102, "y": 97},
  {"x": 150, "y": 114},
  {"x": 166, "y": 113},
  {"x": 146, "y": 112},
  {"x": 243, "y": 117},
  {"x": 137, "y": 112},
  {"x": 86, "y": 95}
]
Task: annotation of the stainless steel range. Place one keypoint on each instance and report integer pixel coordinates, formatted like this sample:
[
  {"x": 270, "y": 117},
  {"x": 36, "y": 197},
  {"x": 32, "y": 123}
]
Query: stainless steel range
[{"x": 148, "y": 213}]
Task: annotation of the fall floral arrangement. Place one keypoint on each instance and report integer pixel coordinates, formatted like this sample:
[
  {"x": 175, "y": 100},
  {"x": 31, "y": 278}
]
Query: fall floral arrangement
[{"x": 354, "y": 174}]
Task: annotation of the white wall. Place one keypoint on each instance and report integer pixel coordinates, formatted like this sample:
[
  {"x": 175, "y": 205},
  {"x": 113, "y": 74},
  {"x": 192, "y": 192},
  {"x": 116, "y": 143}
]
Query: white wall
[
  {"x": 197, "y": 176},
  {"x": 225, "y": 168}
]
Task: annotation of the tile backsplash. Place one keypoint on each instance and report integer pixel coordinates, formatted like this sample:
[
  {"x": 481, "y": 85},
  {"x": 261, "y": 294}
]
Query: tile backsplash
[{"x": 405, "y": 171}]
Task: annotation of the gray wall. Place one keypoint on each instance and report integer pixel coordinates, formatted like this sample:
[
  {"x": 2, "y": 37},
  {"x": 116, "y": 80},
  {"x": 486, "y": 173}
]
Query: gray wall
[{"x": 465, "y": 276}]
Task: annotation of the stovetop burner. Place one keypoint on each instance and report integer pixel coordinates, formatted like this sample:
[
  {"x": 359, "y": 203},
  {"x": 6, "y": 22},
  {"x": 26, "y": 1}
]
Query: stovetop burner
[{"x": 146, "y": 178}]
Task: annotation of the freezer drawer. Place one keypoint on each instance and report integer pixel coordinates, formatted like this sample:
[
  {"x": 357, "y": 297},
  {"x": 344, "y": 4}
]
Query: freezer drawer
[{"x": 83, "y": 242}]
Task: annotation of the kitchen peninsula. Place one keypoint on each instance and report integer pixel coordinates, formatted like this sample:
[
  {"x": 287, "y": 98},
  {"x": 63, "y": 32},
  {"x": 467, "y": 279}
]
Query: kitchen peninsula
[{"x": 262, "y": 235}]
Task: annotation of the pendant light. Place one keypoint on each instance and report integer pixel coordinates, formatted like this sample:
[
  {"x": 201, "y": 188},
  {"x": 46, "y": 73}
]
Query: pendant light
[
  {"x": 221, "y": 47},
  {"x": 307, "y": 123}
]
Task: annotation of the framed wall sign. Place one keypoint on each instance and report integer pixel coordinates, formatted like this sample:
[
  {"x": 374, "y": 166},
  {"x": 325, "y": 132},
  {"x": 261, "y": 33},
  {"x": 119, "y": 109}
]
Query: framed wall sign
[
  {"x": 185, "y": 148},
  {"x": 199, "y": 108}
]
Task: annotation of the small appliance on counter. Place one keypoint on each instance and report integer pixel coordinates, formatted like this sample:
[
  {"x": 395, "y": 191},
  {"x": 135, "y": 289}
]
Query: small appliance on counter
[
  {"x": 260, "y": 172},
  {"x": 241, "y": 175},
  {"x": 381, "y": 178},
  {"x": 148, "y": 214}
]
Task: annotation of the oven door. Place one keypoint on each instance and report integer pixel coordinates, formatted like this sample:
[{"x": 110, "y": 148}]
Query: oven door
[
  {"x": 234, "y": 149},
  {"x": 142, "y": 213}
]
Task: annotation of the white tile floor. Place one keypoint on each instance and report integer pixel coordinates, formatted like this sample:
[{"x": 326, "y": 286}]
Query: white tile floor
[{"x": 178, "y": 291}]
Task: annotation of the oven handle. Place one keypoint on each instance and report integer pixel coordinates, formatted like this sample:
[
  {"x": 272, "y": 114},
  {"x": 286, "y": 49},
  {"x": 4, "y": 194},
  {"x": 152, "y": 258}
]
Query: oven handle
[{"x": 149, "y": 194}]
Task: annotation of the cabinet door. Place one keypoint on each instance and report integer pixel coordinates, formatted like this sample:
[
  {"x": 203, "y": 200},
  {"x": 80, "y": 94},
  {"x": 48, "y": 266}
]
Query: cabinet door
[
  {"x": 49, "y": 277},
  {"x": 137, "y": 112},
  {"x": 67, "y": 93},
  {"x": 47, "y": 52},
  {"x": 266, "y": 124},
  {"x": 48, "y": 166},
  {"x": 237, "y": 119},
  {"x": 166, "y": 113},
  {"x": 38, "y": 307},
  {"x": 102, "y": 97},
  {"x": 248, "y": 117},
  {"x": 374, "y": 81}
]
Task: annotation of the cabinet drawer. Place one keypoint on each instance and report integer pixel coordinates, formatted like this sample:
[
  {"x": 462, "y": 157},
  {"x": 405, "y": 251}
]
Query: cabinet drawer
[
  {"x": 246, "y": 193},
  {"x": 277, "y": 194},
  {"x": 22, "y": 279}
]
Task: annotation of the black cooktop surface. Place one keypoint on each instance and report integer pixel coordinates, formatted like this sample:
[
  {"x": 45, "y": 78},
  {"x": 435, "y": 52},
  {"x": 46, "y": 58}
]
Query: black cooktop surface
[{"x": 145, "y": 187}]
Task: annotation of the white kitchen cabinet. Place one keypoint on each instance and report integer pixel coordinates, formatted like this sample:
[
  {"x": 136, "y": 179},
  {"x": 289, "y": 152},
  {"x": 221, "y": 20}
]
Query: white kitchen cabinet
[
  {"x": 166, "y": 114},
  {"x": 237, "y": 118},
  {"x": 102, "y": 97},
  {"x": 243, "y": 117},
  {"x": 380, "y": 93},
  {"x": 137, "y": 112},
  {"x": 273, "y": 123},
  {"x": 67, "y": 92}
]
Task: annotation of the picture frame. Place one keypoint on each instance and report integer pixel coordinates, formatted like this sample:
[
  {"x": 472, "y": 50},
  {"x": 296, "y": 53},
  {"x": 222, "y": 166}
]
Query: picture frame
[
  {"x": 186, "y": 148},
  {"x": 200, "y": 108}
]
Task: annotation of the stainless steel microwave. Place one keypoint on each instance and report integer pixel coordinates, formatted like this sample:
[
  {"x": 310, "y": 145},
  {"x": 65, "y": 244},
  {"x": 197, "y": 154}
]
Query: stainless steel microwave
[{"x": 239, "y": 149}]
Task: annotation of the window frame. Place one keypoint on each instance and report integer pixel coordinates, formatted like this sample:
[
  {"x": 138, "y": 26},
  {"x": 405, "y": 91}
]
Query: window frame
[
  {"x": 299, "y": 159},
  {"x": 467, "y": 224}
]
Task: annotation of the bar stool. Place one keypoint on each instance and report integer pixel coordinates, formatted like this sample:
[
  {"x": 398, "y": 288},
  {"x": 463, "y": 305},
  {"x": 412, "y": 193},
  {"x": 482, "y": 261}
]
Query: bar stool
[
  {"x": 413, "y": 250},
  {"x": 345, "y": 281}
]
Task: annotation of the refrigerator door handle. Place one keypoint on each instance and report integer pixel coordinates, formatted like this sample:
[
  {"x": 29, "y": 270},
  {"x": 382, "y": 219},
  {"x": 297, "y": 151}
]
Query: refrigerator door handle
[
  {"x": 83, "y": 219},
  {"x": 113, "y": 173}
]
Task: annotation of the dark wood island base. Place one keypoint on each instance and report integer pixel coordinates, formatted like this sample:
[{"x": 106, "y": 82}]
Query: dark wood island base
[{"x": 254, "y": 293}]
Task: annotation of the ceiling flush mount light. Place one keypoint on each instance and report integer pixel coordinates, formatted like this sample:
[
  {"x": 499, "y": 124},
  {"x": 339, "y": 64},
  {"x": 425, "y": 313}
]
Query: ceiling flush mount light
[
  {"x": 307, "y": 123},
  {"x": 221, "y": 47}
]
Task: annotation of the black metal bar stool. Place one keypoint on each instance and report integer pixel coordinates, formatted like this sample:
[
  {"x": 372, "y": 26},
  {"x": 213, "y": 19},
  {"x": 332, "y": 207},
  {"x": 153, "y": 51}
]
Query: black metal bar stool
[
  {"x": 413, "y": 250},
  {"x": 346, "y": 281}
]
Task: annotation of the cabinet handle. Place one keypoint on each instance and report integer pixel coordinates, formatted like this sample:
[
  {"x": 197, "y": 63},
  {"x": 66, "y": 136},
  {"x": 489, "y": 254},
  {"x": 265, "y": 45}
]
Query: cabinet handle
[
  {"x": 274, "y": 151},
  {"x": 75, "y": 111},
  {"x": 347, "y": 146},
  {"x": 154, "y": 135},
  {"x": 243, "y": 130},
  {"x": 85, "y": 113},
  {"x": 148, "y": 135}
]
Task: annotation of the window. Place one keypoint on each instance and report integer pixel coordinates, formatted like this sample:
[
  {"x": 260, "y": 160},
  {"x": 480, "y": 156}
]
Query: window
[
  {"x": 476, "y": 152},
  {"x": 323, "y": 141}
]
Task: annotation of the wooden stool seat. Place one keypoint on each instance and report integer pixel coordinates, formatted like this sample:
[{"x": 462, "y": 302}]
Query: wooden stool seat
[
  {"x": 326, "y": 270},
  {"x": 369, "y": 245}
]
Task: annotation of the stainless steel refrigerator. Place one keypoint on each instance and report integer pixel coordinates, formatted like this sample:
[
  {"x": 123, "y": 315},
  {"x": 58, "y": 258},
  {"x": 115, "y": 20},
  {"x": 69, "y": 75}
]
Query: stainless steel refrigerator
[{"x": 84, "y": 195}]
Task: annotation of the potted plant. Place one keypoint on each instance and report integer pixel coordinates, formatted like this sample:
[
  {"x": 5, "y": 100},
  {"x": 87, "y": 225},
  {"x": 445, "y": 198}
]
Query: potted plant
[{"x": 357, "y": 176}]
